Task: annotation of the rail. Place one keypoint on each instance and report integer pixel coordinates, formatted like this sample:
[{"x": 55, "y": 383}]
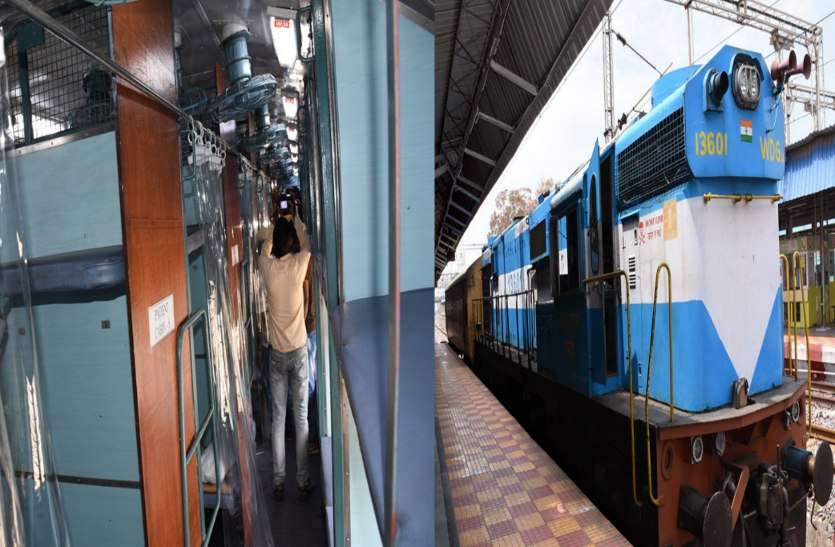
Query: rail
[
  {"x": 663, "y": 266},
  {"x": 497, "y": 334},
  {"x": 620, "y": 274},
  {"x": 186, "y": 454}
]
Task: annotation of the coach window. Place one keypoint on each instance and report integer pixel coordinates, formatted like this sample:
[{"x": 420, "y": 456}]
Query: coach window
[{"x": 570, "y": 275}]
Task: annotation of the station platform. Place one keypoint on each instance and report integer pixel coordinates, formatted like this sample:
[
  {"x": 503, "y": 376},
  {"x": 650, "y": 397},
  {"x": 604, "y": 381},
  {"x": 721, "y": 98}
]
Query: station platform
[
  {"x": 821, "y": 344},
  {"x": 500, "y": 487}
]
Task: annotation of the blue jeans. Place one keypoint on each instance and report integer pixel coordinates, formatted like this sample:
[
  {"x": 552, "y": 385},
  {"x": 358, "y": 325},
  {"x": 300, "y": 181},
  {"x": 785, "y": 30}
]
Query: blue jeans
[{"x": 289, "y": 370}]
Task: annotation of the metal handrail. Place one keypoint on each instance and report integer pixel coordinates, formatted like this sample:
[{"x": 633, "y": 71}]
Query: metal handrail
[
  {"x": 620, "y": 274},
  {"x": 186, "y": 454},
  {"x": 797, "y": 260},
  {"x": 790, "y": 323},
  {"x": 499, "y": 310},
  {"x": 773, "y": 198},
  {"x": 663, "y": 266}
]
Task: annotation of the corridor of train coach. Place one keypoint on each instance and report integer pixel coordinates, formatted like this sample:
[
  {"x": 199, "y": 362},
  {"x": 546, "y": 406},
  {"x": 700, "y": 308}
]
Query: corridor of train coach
[{"x": 157, "y": 155}]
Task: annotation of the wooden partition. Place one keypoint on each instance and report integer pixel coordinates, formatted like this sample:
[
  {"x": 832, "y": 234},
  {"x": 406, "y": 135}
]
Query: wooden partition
[{"x": 149, "y": 169}]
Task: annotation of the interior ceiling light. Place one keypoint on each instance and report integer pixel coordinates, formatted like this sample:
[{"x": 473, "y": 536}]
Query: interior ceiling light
[
  {"x": 307, "y": 43},
  {"x": 291, "y": 105},
  {"x": 283, "y": 26}
]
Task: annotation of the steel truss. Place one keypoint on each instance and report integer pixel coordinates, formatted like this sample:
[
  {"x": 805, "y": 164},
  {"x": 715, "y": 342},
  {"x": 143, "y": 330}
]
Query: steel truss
[{"x": 786, "y": 31}]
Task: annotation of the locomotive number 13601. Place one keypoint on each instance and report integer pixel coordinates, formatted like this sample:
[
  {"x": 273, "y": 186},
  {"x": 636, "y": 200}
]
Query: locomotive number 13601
[{"x": 709, "y": 143}]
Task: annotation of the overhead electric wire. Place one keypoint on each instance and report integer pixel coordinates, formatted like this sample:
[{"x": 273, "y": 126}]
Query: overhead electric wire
[
  {"x": 623, "y": 41},
  {"x": 825, "y": 17},
  {"x": 584, "y": 51}
]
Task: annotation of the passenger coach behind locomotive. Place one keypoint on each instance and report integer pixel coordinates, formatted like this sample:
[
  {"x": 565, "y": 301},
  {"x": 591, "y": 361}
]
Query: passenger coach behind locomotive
[{"x": 687, "y": 194}]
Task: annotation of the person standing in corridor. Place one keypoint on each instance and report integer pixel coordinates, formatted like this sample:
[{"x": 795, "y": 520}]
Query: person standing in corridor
[{"x": 283, "y": 266}]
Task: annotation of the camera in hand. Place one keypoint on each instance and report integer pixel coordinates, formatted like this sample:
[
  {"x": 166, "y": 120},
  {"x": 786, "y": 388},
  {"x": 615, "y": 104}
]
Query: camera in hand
[{"x": 286, "y": 205}]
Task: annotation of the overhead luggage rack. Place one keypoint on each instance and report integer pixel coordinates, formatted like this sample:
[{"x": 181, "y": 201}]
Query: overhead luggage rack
[{"x": 54, "y": 88}]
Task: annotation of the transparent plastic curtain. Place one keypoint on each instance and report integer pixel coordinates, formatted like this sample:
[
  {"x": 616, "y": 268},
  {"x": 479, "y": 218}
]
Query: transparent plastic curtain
[
  {"x": 261, "y": 218},
  {"x": 31, "y": 511},
  {"x": 256, "y": 196},
  {"x": 236, "y": 435}
]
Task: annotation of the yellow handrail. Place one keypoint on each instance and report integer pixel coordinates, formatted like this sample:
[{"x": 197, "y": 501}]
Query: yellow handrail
[
  {"x": 613, "y": 275},
  {"x": 773, "y": 198},
  {"x": 790, "y": 315},
  {"x": 663, "y": 266},
  {"x": 797, "y": 260}
]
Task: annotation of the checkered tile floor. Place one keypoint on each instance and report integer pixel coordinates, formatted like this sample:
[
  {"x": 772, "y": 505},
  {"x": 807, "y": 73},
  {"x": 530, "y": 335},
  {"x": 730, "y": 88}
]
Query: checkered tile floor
[{"x": 504, "y": 489}]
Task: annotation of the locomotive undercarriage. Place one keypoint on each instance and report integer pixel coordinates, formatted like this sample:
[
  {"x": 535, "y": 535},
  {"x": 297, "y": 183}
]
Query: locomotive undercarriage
[{"x": 755, "y": 493}]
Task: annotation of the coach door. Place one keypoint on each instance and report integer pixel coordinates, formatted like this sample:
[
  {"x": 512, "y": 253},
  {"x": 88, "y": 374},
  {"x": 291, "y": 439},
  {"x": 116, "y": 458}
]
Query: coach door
[{"x": 601, "y": 297}]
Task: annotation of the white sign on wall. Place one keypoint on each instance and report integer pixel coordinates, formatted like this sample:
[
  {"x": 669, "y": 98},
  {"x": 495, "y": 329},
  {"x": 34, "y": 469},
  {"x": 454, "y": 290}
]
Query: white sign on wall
[
  {"x": 563, "y": 267},
  {"x": 161, "y": 319}
]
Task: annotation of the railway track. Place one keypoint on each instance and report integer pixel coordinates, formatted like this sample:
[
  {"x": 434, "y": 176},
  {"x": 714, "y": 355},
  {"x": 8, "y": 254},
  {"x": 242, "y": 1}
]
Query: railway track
[
  {"x": 823, "y": 433},
  {"x": 823, "y": 392}
]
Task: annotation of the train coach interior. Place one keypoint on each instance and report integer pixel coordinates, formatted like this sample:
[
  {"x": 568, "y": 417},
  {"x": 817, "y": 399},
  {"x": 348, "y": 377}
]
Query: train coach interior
[{"x": 144, "y": 144}]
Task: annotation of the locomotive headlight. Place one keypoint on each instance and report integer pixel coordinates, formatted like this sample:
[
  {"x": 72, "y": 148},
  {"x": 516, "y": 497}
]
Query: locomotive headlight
[
  {"x": 719, "y": 443},
  {"x": 796, "y": 411},
  {"x": 747, "y": 85},
  {"x": 697, "y": 449}
]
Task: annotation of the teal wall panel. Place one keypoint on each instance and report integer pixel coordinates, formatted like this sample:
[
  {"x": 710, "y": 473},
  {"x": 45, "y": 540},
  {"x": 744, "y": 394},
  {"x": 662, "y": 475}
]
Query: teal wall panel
[
  {"x": 70, "y": 196},
  {"x": 88, "y": 385},
  {"x": 15, "y": 374},
  {"x": 102, "y": 516},
  {"x": 359, "y": 32},
  {"x": 417, "y": 144}
]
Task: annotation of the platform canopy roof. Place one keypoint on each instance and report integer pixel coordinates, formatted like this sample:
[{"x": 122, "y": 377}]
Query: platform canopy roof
[
  {"x": 497, "y": 62},
  {"x": 808, "y": 186}
]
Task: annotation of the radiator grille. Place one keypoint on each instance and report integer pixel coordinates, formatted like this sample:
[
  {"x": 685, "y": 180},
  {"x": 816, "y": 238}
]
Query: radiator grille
[
  {"x": 67, "y": 91},
  {"x": 632, "y": 271},
  {"x": 654, "y": 162}
]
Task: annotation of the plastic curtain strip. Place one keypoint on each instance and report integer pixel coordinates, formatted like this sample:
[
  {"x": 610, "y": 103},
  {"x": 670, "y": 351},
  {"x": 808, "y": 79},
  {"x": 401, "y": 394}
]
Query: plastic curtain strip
[
  {"x": 31, "y": 512},
  {"x": 236, "y": 434}
]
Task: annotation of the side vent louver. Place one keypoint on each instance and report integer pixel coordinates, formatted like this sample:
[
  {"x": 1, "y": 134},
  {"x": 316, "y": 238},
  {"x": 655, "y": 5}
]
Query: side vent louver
[
  {"x": 655, "y": 162},
  {"x": 632, "y": 271}
]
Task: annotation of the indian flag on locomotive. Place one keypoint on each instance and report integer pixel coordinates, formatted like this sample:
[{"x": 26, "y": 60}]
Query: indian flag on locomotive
[{"x": 746, "y": 130}]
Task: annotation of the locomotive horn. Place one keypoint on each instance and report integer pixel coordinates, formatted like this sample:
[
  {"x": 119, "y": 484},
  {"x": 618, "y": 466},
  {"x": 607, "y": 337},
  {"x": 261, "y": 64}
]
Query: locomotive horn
[
  {"x": 780, "y": 68},
  {"x": 805, "y": 68},
  {"x": 717, "y": 85}
]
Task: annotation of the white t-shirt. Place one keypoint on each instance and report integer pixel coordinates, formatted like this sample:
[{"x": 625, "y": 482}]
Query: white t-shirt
[{"x": 284, "y": 280}]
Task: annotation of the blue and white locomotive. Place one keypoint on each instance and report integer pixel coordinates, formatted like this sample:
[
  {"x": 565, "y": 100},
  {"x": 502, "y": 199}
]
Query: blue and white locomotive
[{"x": 662, "y": 251}]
